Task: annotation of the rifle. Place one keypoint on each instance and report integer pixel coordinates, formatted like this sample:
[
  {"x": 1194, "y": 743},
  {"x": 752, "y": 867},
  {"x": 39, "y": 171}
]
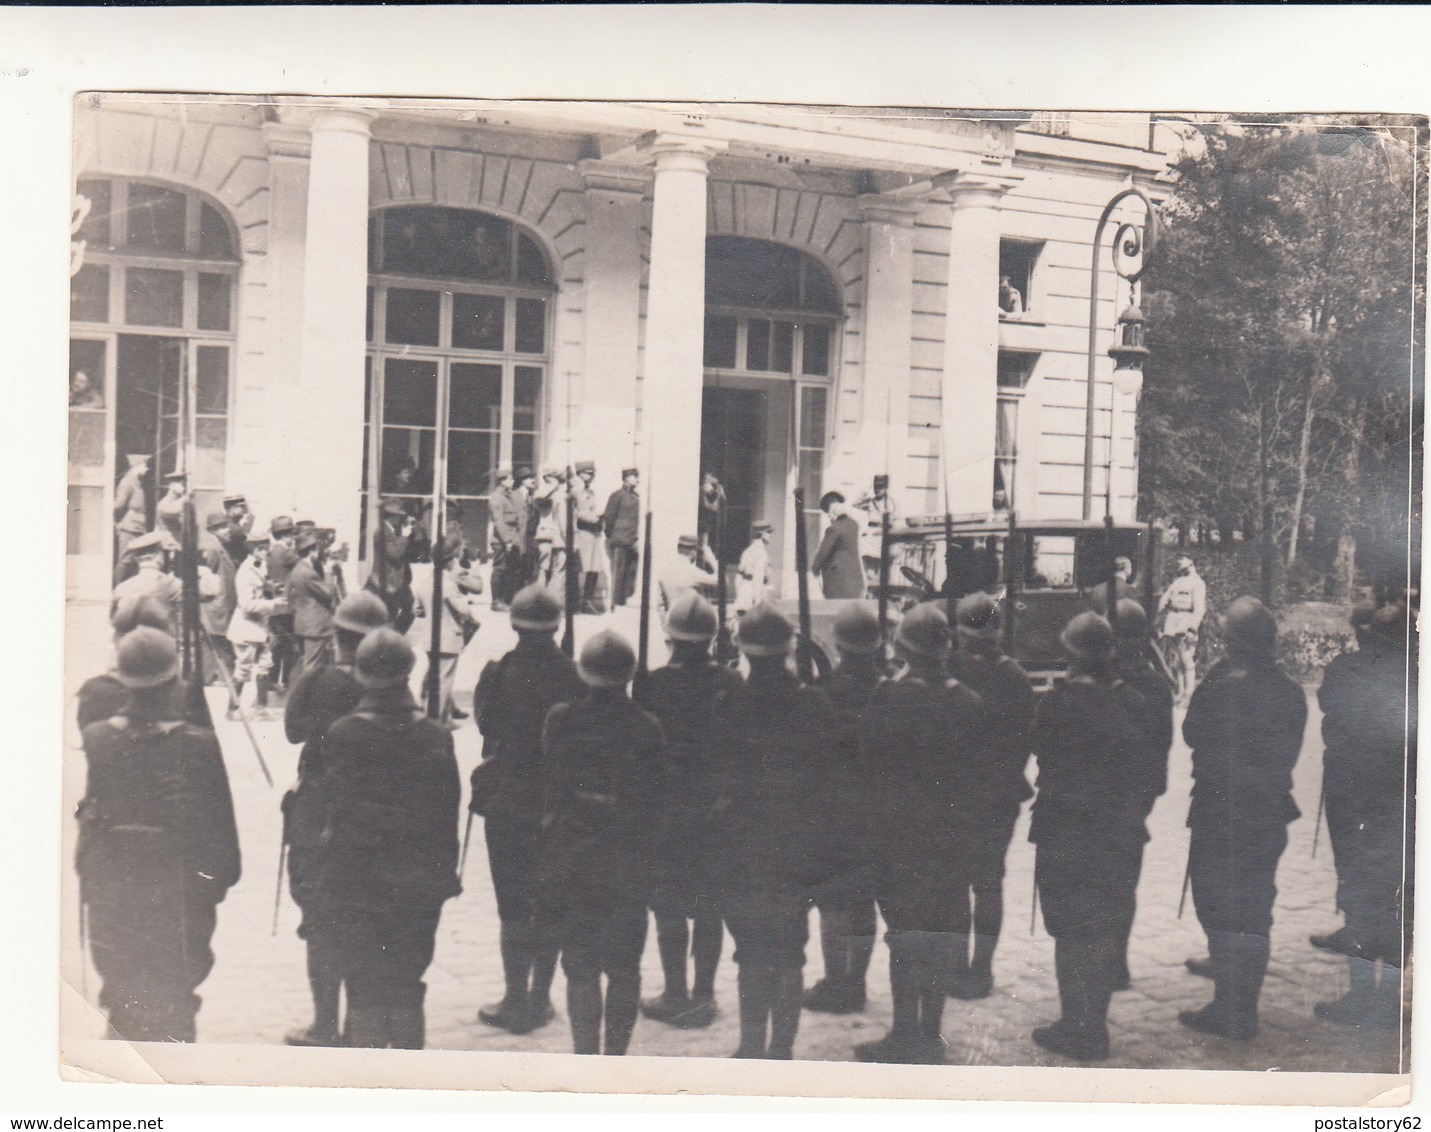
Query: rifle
[
  {"x": 573, "y": 586},
  {"x": 804, "y": 661},
  {"x": 278, "y": 886},
  {"x": 950, "y": 601},
  {"x": 191, "y": 628},
  {"x": 434, "y": 654},
  {"x": 1112, "y": 575},
  {"x": 1013, "y": 564},
  {"x": 233, "y": 694},
  {"x": 723, "y": 650},
  {"x": 884, "y": 587},
  {"x": 643, "y": 649}
]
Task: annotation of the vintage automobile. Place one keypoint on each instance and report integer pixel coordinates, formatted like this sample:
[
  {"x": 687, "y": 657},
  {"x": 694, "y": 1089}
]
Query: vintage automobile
[{"x": 1056, "y": 571}]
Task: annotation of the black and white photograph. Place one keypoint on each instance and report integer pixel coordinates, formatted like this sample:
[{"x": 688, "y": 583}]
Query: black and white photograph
[{"x": 860, "y": 585}]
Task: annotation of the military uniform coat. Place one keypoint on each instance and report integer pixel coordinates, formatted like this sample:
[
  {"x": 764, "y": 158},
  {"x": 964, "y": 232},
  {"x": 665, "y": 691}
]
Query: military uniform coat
[{"x": 622, "y": 517}]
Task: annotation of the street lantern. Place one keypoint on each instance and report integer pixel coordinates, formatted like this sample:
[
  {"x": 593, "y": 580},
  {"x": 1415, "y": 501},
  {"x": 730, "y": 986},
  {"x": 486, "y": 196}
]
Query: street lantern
[
  {"x": 1132, "y": 249},
  {"x": 1128, "y": 352}
]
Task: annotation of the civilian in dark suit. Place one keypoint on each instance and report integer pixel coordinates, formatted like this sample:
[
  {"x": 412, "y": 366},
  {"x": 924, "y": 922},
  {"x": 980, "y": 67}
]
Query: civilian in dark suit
[
  {"x": 622, "y": 523},
  {"x": 837, "y": 561}
]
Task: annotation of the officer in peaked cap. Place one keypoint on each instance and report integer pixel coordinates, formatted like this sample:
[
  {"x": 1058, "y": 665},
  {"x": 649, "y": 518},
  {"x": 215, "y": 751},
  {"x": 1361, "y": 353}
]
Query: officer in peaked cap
[
  {"x": 682, "y": 696},
  {"x": 1088, "y": 829},
  {"x": 320, "y": 697},
  {"x": 390, "y": 862},
  {"x": 924, "y": 730},
  {"x": 847, "y": 908},
  {"x": 621, "y": 522},
  {"x": 1244, "y": 725},
  {"x": 608, "y": 773},
  {"x": 216, "y": 614},
  {"x": 588, "y": 538},
  {"x": 513, "y": 696},
  {"x": 1000, "y": 787},
  {"x": 772, "y": 734},
  {"x": 157, "y": 849}
]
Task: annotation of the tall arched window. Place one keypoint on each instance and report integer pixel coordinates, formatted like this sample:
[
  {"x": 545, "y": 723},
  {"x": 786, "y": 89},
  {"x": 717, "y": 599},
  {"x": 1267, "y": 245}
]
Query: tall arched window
[
  {"x": 459, "y": 333},
  {"x": 152, "y": 311},
  {"x": 772, "y": 315}
]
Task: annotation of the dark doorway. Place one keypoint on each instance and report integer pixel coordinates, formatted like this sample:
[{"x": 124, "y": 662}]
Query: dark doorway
[
  {"x": 146, "y": 392},
  {"x": 733, "y": 447}
]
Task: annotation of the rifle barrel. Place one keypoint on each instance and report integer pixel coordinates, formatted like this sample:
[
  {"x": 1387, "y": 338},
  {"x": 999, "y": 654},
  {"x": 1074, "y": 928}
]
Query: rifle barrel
[
  {"x": 434, "y": 653},
  {"x": 643, "y": 649},
  {"x": 569, "y": 576},
  {"x": 884, "y": 584},
  {"x": 802, "y": 574}
]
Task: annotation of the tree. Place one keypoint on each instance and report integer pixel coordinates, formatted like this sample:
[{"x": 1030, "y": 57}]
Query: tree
[{"x": 1280, "y": 318}]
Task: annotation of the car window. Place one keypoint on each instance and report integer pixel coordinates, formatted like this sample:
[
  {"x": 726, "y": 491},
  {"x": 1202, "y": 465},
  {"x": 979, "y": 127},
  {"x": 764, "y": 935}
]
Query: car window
[{"x": 1050, "y": 562}]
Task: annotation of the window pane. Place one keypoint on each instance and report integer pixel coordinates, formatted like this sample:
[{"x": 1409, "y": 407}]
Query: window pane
[
  {"x": 782, "y": 347},
  {"x": 214, "y": 241},
  {"x": 86, "y": 439},
  {"x": 413, "y": 316},
  {"x": 215, "y": 301},
  {"x": 816, "y": 357},
  {"x": 410, "y": 392},
  {"x": 476, "y": 397},
  {"x": 487, "y": 242},
  {"x": 531, "y": 326},
  {"x": 153, "y": 296},
  {"x": 524, "y": 449},
  {"x": 471, "y": 459},
  {"x": 477, "y": 321},
  {"x": 156, "y": 219},
  {"x": 86, "y": 529},
  {"x": 211, "y": 384},
  {"x": 86, "y": 374},
  {"x": 751, "y": 273},
  {"x": 1051, "y": 562},
  {"x": 470, "y": 516},
  {"x": 812, "y": 416},
  {"x": 820, "y": 292},
  {"x": 89, "y": 294},
  {"x": 757, "y": 345},
  {"x": 210, "y": 438},
  {"x": 368, "y": 322},
  {"x": 446, "y": 243},
  {"x": 528, "y": 391},
  {"x": 531, "y": 263},
  {"x": 720, "y": 341},
  {"x": 96, "y": 226},
  {"x": 812, "y": 465},
  {"x": 407, "y": 461}
]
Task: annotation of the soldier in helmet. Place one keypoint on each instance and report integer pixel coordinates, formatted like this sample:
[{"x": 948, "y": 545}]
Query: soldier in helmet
[
  {"x": 1088, "y": 829},
  {"x": 388, "y": 861},
  {"x": 157, "y": 850},
  {"x": 1366, "y": 725},
  {"x": 922, "y": 730},
  {"x": 607, "y": 774},
  {"x": 1135, "y": 668},
  {"x": 105, "y": 695},
  {"x": 1244, "y": 725},
  {"x": 772, "y": 734},
  {"x": 682, "y": 696},
  {"x": 321, "y": 697},
  {"x": 1000, "y": 789},
  {"x": 513, "y": 696},
  {"x": 846, "y": 903}
]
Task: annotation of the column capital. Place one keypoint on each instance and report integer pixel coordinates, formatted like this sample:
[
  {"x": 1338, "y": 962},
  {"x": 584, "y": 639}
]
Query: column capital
[
  {"x": 610, "y": 177},
  {"x": 343, "y": 119},
  {"x": 686, "y": 152},
  {"x": 284, "y": 139},
  {"x": 878, "y": 209},
  {"x": 975, "y": 190}
]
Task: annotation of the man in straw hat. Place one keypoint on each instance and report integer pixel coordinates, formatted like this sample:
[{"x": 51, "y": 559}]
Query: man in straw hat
[
  {"x": 321, "y": 697},
  {"x": 1088, "y": 829},
  {"x": 1244, "y": 725},
  {"x": 773, "y": 736},
  {"x": 157, "y": 849},
  {"x": 1000, "y": 789},
  {"x": 513, "y": 696},
  {"x": 389, "y": 860},
  {"x": 607, "y": 774},
  {"x": 923, "y": 729},
  {"x": 682, "y": 696}
]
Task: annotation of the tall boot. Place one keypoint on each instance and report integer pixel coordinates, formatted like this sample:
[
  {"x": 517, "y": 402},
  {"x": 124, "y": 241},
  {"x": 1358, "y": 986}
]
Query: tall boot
[
  {"x": 1356, "y": 1007},
  {"x": 1236, "y": 968},
  {"x": 324, "y": 985},
  {"x": 757, "y": 995},
  {"x": 367, "y": 1027},
  {"x": 234, "y": 693},
  {"x": 673, "y": 939},
  {"x": 785, "y": 1013},
  {"x": 623, "y": 996},
  {"x": 901, "y": 1044},
  {"x": 1387, "y": 1011},
  {"x": 861, "y": 926},
  {"x": 831, "y": 994},
  {"x": 583, "y": 1005},
  {"x": 707, "y": 940},
  {"x": 407, "y": 1025},
  {"x": 1251, "y": 953},
  {"x": 512, "y": 1013},
  {"x": 1082, "y": 1031},
  {"x": 544, "y": 964},
  {"x": 261, "y": 688},
  {"x": 933, "y": 981}
]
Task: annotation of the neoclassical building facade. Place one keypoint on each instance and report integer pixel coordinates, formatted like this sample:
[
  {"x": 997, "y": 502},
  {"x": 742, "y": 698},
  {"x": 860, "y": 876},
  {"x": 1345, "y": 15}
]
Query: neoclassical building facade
[{"x": 337, "y": 300}]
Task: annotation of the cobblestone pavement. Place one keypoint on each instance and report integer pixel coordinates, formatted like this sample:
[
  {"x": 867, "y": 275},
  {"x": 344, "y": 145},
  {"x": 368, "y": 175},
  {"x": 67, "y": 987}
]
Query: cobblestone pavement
[{"x": 258, "y": 989}]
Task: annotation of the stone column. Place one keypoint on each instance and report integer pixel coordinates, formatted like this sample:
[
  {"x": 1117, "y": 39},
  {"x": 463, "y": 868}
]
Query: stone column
[
  {"x": 969, "y": 395},
  {"x": 883, "y": 441},
  {"x": 335, "y": 279},
  {"x": 675, "y": 334},
  {"x": 604, "y": 393}
]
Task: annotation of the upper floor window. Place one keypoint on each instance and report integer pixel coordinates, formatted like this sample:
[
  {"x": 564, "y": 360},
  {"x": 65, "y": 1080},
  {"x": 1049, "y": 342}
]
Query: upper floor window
[
  {"x": 1018, "y": 261},
  {"x": 454, "y": 243}
]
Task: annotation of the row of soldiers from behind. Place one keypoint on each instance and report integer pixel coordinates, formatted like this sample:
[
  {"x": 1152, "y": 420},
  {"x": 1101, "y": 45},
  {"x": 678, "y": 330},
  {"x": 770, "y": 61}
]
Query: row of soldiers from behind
[{"x": 768, "y": 796}]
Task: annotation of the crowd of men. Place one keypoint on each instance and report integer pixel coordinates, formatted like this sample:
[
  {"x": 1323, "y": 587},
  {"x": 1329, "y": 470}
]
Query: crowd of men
[{"x": 716, "y": 798}]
